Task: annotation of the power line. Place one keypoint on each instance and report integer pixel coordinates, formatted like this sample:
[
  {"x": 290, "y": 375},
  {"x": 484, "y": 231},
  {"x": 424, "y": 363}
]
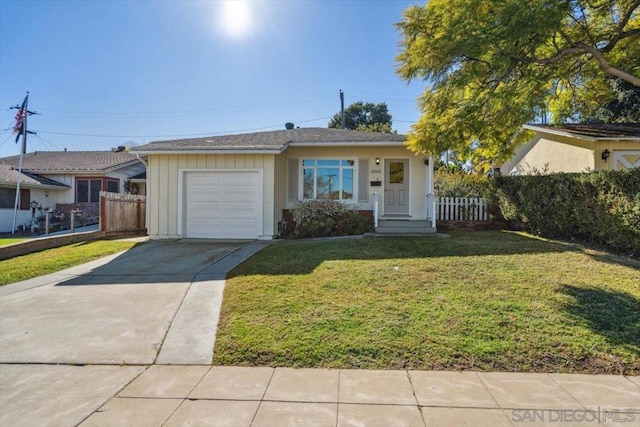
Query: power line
[
  {"x": 47, "y": 142},
  {"x": 179, "y": 135},
  {"x": 6, "y": 139},
  {"x": 169, "y": 114}
]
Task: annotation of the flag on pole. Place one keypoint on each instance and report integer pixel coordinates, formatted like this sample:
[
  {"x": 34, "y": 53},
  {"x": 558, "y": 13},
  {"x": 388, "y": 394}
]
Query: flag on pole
[{"x": 21, "y": 117}]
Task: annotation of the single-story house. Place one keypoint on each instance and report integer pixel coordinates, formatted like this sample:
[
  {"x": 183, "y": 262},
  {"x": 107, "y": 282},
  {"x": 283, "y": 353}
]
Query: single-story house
[
  {"x": 239, "y": 186},
  {"x": 62, "y": 180},
  {"x": 576, "y": 148}
]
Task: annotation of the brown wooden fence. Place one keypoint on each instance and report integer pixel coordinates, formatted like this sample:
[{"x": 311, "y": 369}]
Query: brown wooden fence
[{"x": 122, "y": 212}]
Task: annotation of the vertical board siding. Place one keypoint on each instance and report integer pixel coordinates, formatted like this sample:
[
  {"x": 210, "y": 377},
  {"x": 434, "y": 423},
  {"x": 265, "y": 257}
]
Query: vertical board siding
[
  {"x": 163, "y": 194},
  {"x": 165, "y": 171},
  {"x": 122, "y": 212},
  {"x": 293, "y": 180},
  {"x": 462, "y": 209}
]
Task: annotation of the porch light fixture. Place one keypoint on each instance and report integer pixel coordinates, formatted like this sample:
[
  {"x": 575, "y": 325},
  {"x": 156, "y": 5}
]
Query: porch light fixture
[
  {"x": 377, "y": 160},
  {"x": 605, "y": 155}
]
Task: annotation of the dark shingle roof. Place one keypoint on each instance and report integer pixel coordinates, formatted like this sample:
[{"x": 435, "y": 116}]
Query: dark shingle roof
[
  {"x": 618, "y": 130},
  {"x": 9, "y": 175},
  {"x": 142, "y": 175},
  {"x": 71, "y": 161},
  {"x": 276, "y": 140}
]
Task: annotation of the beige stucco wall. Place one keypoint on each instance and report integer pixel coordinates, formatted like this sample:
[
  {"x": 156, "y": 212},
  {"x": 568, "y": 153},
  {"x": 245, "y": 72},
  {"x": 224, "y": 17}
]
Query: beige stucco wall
[
  {"x": 543, "y": 155},
  {"x": 549, "y": 154},
  {"x": 163, "y": 194},
  {"x": 417, "y": 171}
]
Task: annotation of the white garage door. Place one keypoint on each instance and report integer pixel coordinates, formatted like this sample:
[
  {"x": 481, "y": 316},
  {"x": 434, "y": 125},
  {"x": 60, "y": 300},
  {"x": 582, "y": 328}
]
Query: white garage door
[{"x": 223, "y": 205}]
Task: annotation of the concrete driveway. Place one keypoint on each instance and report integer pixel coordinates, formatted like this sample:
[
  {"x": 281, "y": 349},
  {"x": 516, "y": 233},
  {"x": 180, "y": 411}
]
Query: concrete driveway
[
  {"x": 157, "y": 303},
  {"x": 72, "y": 340}
]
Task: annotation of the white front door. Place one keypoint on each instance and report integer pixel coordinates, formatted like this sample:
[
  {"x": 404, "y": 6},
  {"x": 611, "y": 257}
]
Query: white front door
[
  {"x": 396, "y": 187},
  {"x": 223, "y": 204}
]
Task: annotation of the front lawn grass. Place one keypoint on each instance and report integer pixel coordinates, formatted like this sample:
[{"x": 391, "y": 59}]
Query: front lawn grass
[
  {"x": 479, "y": 300},
  {"x": 52, "y": 260}
]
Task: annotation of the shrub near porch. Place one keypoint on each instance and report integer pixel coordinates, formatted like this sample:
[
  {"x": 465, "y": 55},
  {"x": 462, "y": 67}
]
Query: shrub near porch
[{"x": 482, "y": 301}]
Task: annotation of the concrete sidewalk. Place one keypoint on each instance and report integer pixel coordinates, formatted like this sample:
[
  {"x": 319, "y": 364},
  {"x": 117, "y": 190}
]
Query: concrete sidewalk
[{"x": 198, "y": 395}]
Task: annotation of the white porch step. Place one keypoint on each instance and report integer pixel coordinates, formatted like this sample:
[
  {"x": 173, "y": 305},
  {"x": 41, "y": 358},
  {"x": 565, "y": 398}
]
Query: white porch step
[{"x": 405, "y": 226}]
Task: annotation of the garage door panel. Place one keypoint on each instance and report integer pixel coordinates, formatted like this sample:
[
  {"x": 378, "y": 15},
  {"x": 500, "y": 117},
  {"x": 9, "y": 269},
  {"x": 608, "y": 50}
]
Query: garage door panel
[
  {"x": 204, "y": 179},
  {"x": 240, "y": 197},
  {"x": 241, "y": 179},
  {"x": 222, "y": 204}
]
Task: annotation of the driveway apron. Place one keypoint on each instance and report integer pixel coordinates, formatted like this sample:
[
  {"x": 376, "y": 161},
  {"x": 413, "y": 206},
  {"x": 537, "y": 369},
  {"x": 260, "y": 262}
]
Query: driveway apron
[{"x": 119, "y": 310}]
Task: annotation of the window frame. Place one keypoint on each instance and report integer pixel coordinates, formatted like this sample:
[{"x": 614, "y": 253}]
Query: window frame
[
  {"x": 24, "y": 201},
  {"x": 104, "y": 184},
  {"x": 340, "y": 167}
]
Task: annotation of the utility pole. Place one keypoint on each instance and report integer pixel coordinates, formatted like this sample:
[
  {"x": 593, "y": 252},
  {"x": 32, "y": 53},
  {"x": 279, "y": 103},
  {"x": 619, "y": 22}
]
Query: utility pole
[
  {"x": 342, "y": 108},
  {"x": 21, "y": 129}
]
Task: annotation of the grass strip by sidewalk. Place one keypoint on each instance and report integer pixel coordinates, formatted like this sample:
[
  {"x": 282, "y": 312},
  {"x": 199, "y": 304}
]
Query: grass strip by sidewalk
[
  {"x": 10, "y": 240},
  {"x": 479, "y": 300},
  {"x": 52, "y": 260}
]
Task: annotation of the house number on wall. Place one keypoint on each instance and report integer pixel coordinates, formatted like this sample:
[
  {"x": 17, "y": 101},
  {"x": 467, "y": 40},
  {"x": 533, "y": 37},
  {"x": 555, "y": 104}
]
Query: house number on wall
[{"x": 376, "y": 171}]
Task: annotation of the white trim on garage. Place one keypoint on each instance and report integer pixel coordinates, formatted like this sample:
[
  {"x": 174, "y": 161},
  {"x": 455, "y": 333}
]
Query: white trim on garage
[
  {"x": 626, "y": 159},
  {"x": 243, "y": 227}
]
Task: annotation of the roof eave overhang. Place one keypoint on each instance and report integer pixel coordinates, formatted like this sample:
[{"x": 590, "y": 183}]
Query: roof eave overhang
[
  {"x": 560, "y": 133},
  {"x": 65, "y": 172},
  {"x": 132, "y": 162},
  {"x": 212, "y": 151},
  {"x": 619, "y": 139},
  {"x": 349, "y": 144},
  {"x": 35, "y": 186}
]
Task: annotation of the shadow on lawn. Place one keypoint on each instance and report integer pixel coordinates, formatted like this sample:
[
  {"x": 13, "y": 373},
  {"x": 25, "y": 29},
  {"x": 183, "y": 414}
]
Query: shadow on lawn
[
  {"x": 612, "y": 314},
  {"x": 304, "y": 256}
]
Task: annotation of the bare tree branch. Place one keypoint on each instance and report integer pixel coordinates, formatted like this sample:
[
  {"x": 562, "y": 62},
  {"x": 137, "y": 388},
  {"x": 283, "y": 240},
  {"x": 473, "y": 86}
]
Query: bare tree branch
[
  {"x": 607, "y": 68},
  {"x": 620, "y": 32}
]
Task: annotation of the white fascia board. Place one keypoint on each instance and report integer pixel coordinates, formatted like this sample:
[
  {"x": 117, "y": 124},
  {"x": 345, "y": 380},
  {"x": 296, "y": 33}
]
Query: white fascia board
[
  {"x": 627, "y": 138},
  {"x": 560, "y": 133},
  {"x": 205, "y": 151},
  {"x": 6, "y": 184},
  {"x": 45, "y": 173},
  {"x": 348, "y": 144}
]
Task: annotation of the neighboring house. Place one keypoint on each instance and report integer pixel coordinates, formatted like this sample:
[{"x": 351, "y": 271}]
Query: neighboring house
[
  {"x": 62, "y": 180},
  {"x": 576, "y": 148},
  {"x": 238, "y": 186}
]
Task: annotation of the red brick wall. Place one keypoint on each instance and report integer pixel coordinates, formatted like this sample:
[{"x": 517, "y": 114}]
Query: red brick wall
[{"x": 469, "y": 225}]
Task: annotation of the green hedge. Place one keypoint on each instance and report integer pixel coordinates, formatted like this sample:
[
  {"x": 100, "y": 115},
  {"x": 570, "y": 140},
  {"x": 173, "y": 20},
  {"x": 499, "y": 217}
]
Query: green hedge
[
  {"x": 326, "y": 218},
  {"x": 598, "y": 207}
]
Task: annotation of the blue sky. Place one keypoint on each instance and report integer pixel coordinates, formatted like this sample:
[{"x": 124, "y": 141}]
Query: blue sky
[{"x": 108, "y": 73}]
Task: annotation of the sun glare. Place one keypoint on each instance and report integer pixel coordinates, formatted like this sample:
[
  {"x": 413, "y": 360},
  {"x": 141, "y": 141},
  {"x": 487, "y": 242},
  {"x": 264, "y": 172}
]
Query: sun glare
[{"x": 235, "y": 18}]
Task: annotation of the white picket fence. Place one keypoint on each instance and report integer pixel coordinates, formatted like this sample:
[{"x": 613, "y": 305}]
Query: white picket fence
[{"x": 462, "y": 209}]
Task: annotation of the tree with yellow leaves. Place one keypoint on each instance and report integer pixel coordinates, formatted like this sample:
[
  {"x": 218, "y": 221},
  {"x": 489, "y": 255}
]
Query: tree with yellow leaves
[{"x": 492, "y": 66}]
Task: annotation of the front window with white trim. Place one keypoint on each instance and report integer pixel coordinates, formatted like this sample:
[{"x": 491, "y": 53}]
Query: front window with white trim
[{"x": 328, "y": 179}]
